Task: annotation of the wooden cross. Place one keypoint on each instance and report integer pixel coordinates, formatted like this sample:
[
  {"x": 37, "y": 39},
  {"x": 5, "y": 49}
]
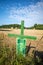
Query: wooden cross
[{"x": 21, "y": 40}]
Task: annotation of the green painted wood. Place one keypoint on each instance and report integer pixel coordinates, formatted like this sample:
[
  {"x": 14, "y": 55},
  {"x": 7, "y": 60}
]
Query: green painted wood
[
  {"x": 20, "y": 46},
  {"x": 22, "y": 27},
  {"x": 22, "y": 36}
]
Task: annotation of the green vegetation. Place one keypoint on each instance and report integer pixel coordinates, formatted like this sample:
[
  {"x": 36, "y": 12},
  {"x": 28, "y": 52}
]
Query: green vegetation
[
  {"x": 36, "y": 26},
  {"x": 11, "y": 25},
  {"x": 8, "y": 57}
]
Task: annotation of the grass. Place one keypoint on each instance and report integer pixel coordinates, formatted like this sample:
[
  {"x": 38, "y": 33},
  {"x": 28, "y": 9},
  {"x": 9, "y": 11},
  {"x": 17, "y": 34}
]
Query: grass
[{"x": 8, "y": 56}]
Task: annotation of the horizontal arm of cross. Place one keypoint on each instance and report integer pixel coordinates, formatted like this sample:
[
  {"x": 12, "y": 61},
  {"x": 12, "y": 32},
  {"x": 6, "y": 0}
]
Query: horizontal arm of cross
[{"x": 22, "y": 36}]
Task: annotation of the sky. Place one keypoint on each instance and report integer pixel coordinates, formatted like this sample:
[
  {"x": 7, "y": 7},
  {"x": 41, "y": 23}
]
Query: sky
[{"x": 14, "y": 11}]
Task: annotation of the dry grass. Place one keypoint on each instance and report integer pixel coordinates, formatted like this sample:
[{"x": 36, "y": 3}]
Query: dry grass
[{"x": 12, "y": 41}]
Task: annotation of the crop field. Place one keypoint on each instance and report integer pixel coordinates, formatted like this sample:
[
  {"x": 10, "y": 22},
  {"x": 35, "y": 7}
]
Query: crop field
[
  {"x": 31, "y": 45},
  {"x": 38, "y": 43}
]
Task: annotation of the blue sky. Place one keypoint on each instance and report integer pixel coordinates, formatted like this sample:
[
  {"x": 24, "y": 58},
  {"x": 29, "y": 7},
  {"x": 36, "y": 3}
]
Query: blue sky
[{"x": 13, "y": 11}]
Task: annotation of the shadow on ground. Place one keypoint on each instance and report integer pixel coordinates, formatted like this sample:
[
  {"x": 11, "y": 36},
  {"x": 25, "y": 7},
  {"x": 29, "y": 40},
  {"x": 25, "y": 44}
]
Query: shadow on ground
[{"x": 28, "y": 48}]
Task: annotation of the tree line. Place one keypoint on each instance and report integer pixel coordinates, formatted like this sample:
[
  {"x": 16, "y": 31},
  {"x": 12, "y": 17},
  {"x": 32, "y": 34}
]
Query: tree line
[{"x": 18, "y": 26}]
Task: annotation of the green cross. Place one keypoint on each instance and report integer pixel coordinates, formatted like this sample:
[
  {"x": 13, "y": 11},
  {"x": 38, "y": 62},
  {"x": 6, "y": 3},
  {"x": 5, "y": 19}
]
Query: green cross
[{"x": 21, "y": 42}]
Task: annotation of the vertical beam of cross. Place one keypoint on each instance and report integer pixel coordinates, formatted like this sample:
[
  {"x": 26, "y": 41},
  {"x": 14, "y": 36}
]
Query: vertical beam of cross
[{"x": 22, "y": 27}]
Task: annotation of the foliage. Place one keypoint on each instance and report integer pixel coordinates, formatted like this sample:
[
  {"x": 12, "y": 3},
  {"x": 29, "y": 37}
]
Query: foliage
[
  {"x": 8, "y": 57},
  {"x": 10, "y": 25},
  {"x": 36, "y": 26}
]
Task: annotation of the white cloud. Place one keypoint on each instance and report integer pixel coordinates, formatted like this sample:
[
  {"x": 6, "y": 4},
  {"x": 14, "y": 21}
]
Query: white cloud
[{"x": 30, "y": 14}]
